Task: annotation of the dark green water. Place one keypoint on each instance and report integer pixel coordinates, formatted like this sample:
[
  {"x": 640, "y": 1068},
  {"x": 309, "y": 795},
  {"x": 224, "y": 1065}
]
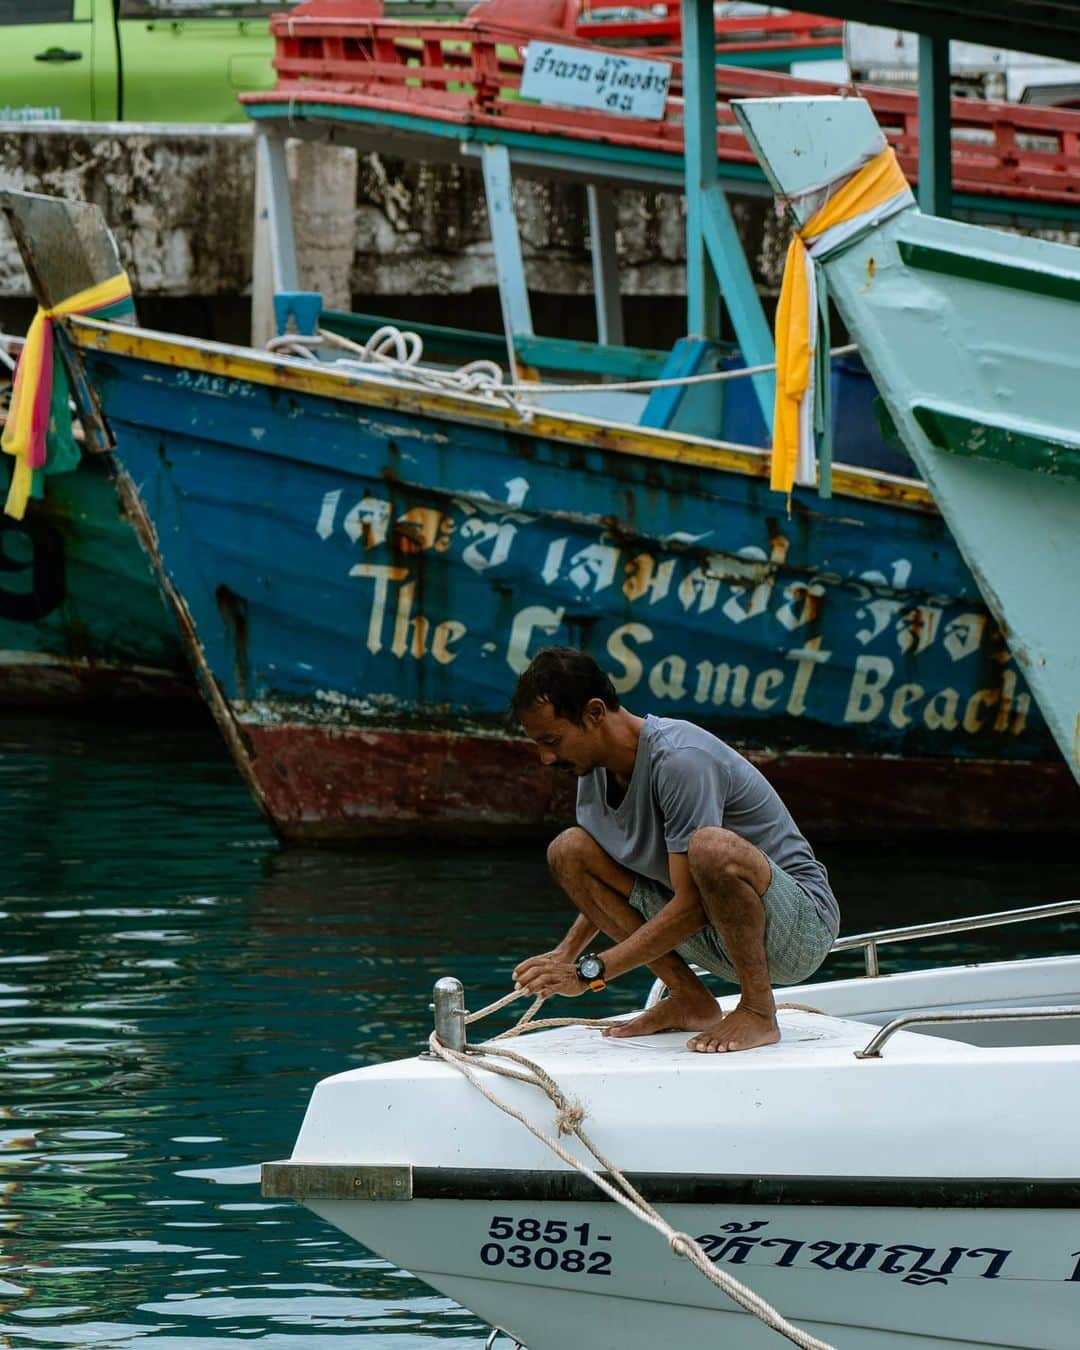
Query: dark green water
[{"x": 172, "y": 985}]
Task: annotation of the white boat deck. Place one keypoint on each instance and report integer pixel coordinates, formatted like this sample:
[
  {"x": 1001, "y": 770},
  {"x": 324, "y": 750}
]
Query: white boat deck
[
  {"x": 805, "y": 1106},
  {"x": 925, "y": 1196},
  {"x": 807, "y": 1038}
]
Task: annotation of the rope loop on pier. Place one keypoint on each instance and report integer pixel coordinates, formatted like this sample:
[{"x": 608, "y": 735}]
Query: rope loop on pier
[{"x": 569, "y": 1119}]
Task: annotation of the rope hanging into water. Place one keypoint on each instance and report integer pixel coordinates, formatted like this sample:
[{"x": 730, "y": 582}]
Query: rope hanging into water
[{"x": 569, "y": 1119}]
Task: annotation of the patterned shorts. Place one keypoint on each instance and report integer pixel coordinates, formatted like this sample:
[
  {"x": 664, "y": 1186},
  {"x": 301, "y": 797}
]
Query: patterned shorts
[{"x": 797, "y": 938}]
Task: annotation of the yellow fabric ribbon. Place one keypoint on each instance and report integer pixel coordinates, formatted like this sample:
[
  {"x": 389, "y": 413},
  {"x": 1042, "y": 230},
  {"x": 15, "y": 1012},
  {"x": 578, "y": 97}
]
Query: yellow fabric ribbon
[
  {"x": 876, "y": 183},
  {"x": 26, "y": 433}
]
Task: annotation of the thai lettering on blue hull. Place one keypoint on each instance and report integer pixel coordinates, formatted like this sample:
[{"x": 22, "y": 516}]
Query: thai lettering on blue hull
[{"x": 703, "y": 631}]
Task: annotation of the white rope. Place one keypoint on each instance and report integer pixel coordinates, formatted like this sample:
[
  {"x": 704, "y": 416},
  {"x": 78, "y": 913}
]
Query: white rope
[
  {"x": 292, "y": 344},
  {"x": 481, "y": 377},
  {"x": 569, "y": 1117},
  {"x": 486, "y": 377},
  {"x": 526, "y": 1023},
  {"x": 630, "y": 386},
  {"x": 408, "y": 347}
]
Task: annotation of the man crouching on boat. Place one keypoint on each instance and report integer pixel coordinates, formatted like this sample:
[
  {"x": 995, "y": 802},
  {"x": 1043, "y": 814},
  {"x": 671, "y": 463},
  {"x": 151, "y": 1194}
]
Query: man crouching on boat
[{"x": 682, "y": 854}]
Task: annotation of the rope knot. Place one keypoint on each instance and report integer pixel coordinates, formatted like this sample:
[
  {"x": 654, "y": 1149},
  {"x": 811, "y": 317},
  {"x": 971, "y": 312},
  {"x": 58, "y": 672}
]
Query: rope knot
[
  {"x": 680, "y": 1244},
  {"x": 569, "y": 1116}
]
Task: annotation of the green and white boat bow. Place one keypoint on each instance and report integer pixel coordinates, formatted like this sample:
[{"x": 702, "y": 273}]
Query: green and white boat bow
[{"x": 973, "y": 338}]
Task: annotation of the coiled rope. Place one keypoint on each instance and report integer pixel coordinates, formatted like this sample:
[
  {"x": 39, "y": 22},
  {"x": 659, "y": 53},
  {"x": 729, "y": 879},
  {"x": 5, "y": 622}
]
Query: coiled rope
[
  {"x": 397, "y": 352},
  {"x": 569, "y": 1118}
]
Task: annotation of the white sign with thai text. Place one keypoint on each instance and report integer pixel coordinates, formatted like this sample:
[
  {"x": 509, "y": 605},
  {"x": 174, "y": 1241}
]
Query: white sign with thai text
[{"x": 579, "y": 78}]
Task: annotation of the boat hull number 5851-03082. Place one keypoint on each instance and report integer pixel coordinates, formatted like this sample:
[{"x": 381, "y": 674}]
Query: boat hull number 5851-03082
[{"x": 545, "y": 1244}]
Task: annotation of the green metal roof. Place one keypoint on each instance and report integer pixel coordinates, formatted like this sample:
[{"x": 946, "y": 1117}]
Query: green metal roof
[{"x": 1050, "y": 29}]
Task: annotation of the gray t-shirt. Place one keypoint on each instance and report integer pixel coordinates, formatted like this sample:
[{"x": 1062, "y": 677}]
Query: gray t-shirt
[{"x": 685, "y": 778}]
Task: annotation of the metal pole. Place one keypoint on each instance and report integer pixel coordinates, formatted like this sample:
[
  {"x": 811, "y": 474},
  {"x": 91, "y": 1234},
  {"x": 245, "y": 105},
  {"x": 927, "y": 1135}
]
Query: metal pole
[
  {"x": 506, "y": 239},
  {"x": 449, "y": 1005},
  {"x": 873, "y": 1047},
  {"x": 699, "y": 140},
  {"x": 274, "y": 267},
  {"x": 609, "y": 319},
  {"x": 935, "y": 130}
]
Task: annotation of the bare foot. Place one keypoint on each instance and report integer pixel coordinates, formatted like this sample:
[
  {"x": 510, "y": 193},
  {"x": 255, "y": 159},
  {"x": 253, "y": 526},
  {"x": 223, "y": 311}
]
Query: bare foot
[
  {"x": 739, "y": 1030},
  {"x": 680, "y": 1012}
]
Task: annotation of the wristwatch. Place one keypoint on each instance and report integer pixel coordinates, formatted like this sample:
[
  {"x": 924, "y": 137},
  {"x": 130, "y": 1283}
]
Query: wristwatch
[{"x": 590, "y": 968}]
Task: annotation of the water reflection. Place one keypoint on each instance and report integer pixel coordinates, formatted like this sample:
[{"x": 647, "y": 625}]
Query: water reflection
[{"x": 171, "y": 986}]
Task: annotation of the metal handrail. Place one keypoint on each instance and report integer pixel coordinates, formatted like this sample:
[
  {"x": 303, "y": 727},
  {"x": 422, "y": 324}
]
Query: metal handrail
[
  {"x": 873, "y": 1047},
  {"x": 871, "y": 941},
  {"x": 494, "y": 1335}
]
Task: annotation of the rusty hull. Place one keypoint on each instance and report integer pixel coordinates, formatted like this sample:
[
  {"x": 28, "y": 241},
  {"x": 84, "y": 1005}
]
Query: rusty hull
[{"x": 335, "y": 785}]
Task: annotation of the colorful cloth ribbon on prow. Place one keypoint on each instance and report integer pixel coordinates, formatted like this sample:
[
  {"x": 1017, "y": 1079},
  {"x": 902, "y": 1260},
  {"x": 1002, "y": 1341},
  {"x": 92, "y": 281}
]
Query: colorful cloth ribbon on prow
[
  {"x": 38, "y": 431},
  {"x": 876, "y": 191}
]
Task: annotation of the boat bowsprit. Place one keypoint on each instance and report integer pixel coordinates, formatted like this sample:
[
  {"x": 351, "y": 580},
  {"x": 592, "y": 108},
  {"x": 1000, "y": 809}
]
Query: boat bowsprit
[{"x": 893, "y": 1173}]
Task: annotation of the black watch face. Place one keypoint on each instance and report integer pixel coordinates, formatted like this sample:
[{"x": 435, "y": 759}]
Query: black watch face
[{"x": 589, "y": 967}]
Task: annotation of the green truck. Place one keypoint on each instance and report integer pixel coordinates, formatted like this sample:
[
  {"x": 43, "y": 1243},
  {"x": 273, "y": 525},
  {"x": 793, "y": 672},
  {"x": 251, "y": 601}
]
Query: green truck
[{"x": 133, "y": 60}]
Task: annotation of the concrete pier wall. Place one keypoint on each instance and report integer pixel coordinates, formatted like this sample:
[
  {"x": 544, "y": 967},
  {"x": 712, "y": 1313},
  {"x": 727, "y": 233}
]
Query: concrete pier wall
[{"x": 180, "y": 201}]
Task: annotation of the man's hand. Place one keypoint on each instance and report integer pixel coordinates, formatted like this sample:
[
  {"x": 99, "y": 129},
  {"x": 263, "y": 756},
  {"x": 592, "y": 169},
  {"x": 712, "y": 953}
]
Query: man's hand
[{"x": 549, "y": 974}]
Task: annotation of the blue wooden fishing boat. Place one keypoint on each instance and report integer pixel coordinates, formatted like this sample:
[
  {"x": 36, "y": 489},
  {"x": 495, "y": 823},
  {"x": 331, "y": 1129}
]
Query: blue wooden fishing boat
[
  {"x": 361, "y": 553},
  {"x": 360, "y": 606}
]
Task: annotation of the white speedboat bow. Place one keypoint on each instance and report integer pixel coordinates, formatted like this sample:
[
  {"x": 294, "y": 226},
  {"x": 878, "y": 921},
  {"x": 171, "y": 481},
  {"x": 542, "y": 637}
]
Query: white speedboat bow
[{"x": 901, "y": 1170}]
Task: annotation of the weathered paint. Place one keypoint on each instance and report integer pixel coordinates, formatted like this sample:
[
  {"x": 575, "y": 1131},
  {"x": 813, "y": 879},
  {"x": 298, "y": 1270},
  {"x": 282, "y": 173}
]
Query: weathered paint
[
  {"x": 218, "y": 370},
  {"x": 363, "y": 569},
  {"x": 331, "y": 784},
  {"x": 983, "y": 438}
]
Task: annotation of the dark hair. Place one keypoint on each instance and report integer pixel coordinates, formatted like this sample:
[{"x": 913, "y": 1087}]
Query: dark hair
[{"x": 565, "y": 678}]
